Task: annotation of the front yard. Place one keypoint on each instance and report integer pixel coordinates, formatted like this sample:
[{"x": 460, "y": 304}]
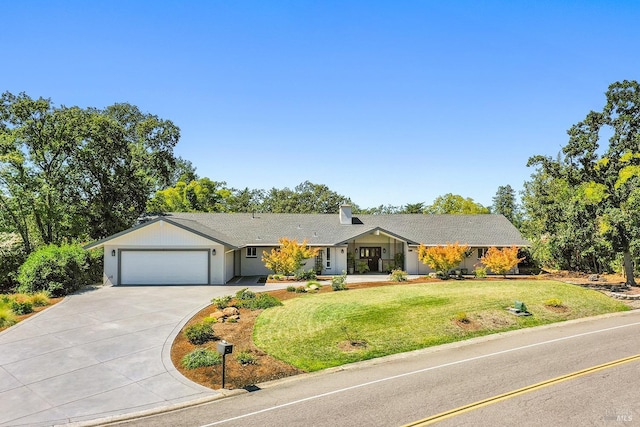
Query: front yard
[{"x": 316, "y": 331}]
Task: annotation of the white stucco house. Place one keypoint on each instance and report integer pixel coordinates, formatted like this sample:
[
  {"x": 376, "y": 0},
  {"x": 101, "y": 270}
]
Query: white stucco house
[{"x": 213, "y": 248}]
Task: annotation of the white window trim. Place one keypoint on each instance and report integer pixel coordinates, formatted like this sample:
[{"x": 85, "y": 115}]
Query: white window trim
[{"x": 252, "y": 252}]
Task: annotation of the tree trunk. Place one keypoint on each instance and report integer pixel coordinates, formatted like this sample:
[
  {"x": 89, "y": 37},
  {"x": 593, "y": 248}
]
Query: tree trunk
[{"x": 628, "y": 268}]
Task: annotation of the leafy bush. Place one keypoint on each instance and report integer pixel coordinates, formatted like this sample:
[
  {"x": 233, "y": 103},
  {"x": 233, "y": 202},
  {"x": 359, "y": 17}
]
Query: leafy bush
[
  {"x": 553, "y": 302},
  {"x": 301, "y": 289},
  {"x": 398, "y": 275},
  {"x": 362, "y": 267},
  {"x": 461, "y": 317},
  {"x": 209, "y": 321},
  {"x": 291, "y": 288},
  {"x": 201, "y": 357},
  {"x": 21, "y": 306},
  {"x": 199, "y": 333},
  {"x": 339, "y": 283},
  {"x": 222, "y": 302},
  {"x": 306, "y": 275},
  {"x": 277, "y": 277},
  {"x": 260, "y": 302},
  {"x": 245, "y": 294},
  {"x": 59, "y": 270},
  {"x": 246, "y": 358},
  {"x": 501, "y": 261},
  {"x": 288, "y": 257},
  {"x": 442, "y": 258},
  {"x": 480, "y": 272},
  {"x": 12, "y": 256}
]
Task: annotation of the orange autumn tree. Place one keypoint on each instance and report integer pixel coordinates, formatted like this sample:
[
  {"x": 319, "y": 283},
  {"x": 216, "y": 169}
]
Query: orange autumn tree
[
  {"x": 442, "y": 258},
  {"x": 500, "y": 261},
  {"x": 288, "y": 258}
]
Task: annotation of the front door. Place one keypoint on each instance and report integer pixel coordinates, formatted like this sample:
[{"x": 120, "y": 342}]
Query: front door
[{"x": 371, "y": 255}]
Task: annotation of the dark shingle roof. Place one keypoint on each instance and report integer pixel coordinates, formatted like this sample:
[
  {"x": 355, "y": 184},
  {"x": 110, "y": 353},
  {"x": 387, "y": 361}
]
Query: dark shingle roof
[{"x": 245, "y": 229}]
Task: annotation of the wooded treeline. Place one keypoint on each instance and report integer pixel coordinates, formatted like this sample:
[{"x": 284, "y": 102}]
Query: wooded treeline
[{"x": 69, "y": 174}]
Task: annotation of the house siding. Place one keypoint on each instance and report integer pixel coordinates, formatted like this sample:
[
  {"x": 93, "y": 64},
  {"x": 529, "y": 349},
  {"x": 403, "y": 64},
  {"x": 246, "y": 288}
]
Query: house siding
[{"x": 162, "y": 236}]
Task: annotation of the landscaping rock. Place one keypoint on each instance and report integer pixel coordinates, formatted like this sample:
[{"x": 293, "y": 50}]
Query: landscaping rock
[
  {"x": 230, "y": 311},
  {"x": 217, "y": 314}
]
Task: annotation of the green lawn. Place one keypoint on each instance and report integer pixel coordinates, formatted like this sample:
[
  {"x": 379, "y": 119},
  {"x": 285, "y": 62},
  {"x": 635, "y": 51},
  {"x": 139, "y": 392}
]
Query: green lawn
[{"x": 309, "y": 332}]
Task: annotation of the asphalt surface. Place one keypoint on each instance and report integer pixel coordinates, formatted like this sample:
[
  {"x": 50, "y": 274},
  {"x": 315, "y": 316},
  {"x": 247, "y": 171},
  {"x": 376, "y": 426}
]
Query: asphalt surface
[{"x": 546, "y": 376}]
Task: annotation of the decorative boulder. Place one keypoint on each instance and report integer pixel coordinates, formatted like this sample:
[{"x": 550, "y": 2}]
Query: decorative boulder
[{"x": 231, "y": 311}]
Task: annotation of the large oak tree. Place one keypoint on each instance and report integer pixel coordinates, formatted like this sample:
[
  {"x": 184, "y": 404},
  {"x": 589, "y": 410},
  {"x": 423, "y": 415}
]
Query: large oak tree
[
  {"x": 606, "y": 179},
  {"x": 69, "y": 173}
]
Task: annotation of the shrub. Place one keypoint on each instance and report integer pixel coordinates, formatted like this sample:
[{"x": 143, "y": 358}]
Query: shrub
[
  {"x": 246, "y": 358},
  {"x": 59, "y": 270},
  {"x": 245, "y": 294},
  {"x": 7, "y": 317},
  {"x": 260, "y": 302},
  {"x": 301, "y": 290},
  {"x": 40, "y": 299},
  {"x": 442, "y": 258},
  {"x": 362, "y": 267},
  {"x": 339, "y": 283},
  {"x": 201, "y": 357},
  {"x": 291, "y": 288},
  {"x": 199, "y": 333},
  {"x": 289, "y": 257},
  {"x": 221, "y": 302},
  {"x": 480, "y": 272},
  {"x": 21, "y": 306},
  {"x": 553, "y": 302},
  {"x": 12, "y": 255},
  {"x": 501, "y": 261},
  {"x": 306, "y": 275},
  {"x": 461, "y": 317},
  {"x": 398, "y": 275},
  {"x": 209, "y": 321}
]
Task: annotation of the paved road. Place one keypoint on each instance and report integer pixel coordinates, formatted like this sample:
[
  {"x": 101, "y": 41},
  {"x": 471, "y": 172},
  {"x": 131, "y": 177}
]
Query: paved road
[
  {"x": 405, "y": 388},
  {"x": 102, "y": 352}
]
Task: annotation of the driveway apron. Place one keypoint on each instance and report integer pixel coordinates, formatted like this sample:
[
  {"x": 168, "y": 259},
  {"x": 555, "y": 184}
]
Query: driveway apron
[{"x": 99, "y": 353}]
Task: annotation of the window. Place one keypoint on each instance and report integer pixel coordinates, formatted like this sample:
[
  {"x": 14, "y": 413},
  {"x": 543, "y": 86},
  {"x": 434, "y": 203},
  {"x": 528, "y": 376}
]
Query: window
[
  {"x": 252, "y": 252},
  {"x": 481, "y": 252},
  {"x": 328, "y": 258}
]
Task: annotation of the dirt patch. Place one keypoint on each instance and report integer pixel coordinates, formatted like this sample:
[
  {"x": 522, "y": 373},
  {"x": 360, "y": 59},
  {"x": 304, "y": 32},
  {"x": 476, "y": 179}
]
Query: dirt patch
[
  {"x": 469, "y": 325},
  {"x": 349, "y": 346},
  {"x": 557, "y": 308}
]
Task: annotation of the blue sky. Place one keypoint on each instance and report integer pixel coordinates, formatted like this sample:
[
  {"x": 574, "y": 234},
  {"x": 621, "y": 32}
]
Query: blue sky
[{"x": 386, "y": 102}]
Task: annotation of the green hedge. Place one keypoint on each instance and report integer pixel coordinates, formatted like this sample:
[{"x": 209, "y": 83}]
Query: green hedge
[{"x": 59, "y": 270}]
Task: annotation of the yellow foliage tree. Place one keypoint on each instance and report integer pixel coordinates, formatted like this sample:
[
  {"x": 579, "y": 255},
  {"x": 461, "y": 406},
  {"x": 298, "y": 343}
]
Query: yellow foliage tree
[
  {"x": 500, "y": 261},
  {"x": 442, "y": 258},
  {"x": 287, "y": 259}
]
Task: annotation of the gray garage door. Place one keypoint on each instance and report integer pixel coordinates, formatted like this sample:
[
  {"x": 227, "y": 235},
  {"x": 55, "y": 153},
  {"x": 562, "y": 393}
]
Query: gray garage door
[{"x": 154, "y": 267}]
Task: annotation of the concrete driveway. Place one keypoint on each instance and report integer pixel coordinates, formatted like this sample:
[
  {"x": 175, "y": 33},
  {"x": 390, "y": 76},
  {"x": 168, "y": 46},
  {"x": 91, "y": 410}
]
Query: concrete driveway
[{"x": 99, "y": 353}]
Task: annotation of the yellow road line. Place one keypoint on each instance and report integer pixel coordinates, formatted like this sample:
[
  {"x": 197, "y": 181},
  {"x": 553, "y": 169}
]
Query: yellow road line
[{"x": 481, "y": 403}]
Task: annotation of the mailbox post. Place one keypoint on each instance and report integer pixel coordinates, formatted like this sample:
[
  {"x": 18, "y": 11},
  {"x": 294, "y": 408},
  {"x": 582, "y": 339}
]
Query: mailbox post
[{"x": 224, "y": 348}]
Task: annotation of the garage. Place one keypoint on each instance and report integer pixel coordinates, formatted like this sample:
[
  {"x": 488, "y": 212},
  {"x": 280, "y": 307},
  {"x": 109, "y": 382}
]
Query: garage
[{"x": 164, "y": 267}]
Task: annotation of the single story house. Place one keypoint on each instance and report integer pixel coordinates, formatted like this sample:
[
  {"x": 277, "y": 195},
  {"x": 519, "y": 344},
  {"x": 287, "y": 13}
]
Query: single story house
[{"x": 213, "y": 248}]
